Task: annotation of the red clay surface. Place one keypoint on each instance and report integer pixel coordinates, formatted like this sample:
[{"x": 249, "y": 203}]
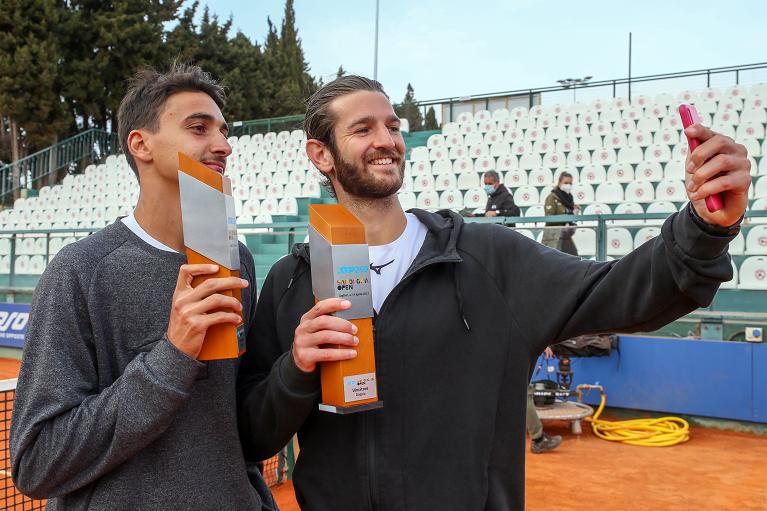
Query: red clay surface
[
  {"x": 715, "y": 471},
  {"x": 9, "y": 368}
]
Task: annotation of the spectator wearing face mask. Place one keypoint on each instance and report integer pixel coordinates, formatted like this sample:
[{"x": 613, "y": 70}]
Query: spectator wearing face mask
[
  {"x": 499, "y": 200},
  {"x": 560, "y": 202}
]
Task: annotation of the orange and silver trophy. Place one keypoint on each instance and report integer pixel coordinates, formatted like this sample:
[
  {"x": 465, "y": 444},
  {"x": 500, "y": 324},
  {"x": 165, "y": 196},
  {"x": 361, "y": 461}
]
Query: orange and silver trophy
[
  {"x": 341, "y": 269},
  {"x": 210, "y": 237}
]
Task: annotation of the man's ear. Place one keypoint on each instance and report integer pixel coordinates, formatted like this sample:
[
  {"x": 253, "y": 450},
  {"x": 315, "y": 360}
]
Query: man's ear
[
  {"x": 138, "y": 145},
  {"x": 320, "y": 155}
]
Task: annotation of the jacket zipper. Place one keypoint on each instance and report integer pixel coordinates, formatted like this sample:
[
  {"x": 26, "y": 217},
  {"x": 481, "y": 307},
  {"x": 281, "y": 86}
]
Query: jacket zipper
[{"x": 369, "y": 418}]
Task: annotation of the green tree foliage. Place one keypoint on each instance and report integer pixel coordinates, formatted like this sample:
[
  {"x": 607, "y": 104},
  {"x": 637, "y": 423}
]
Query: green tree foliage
[
  {"x": 30, "y": 82},
  {"x": 64, "y": 63},
  {"x": 409, "y": 110},
  {"x": 104, "y": 43},
  {"x": 430, "y": 122}
]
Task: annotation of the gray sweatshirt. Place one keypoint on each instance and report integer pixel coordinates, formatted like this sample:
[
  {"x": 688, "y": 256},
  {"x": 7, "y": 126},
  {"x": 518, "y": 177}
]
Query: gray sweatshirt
[{"x": 109, "y": 414}]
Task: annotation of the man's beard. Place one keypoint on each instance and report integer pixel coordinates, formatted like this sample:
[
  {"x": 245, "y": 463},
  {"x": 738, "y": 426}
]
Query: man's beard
[{"x": 360, "y": 182}]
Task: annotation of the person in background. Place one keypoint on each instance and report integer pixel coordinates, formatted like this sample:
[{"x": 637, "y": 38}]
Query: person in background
[
  {"x": 560, "y": 202},
  {"x": 499, "y": 200},
  {"x": 540, "y": 442}
]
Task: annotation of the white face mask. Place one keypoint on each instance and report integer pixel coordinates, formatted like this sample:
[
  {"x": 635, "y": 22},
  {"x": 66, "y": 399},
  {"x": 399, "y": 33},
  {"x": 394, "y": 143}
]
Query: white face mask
[{"x": 566, "y": 188}]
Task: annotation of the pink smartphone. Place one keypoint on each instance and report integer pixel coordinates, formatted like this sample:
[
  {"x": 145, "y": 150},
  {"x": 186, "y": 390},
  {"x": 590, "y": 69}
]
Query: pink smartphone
[{"x": 690, "y": 116}]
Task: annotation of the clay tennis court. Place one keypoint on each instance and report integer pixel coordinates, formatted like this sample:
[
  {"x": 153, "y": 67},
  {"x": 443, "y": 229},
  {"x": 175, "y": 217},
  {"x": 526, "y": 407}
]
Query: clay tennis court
[{"x": 716, "y": 470}]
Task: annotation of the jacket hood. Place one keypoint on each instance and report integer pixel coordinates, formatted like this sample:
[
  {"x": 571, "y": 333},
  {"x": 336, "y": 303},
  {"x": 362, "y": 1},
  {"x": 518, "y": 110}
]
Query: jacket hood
[
  {"x": 440, "y": 246},
  {"x": 444, "y": 229}
]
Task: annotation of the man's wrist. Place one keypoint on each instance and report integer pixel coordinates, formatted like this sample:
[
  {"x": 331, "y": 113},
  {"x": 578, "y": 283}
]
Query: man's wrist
[{"x": 713, "y": 229}]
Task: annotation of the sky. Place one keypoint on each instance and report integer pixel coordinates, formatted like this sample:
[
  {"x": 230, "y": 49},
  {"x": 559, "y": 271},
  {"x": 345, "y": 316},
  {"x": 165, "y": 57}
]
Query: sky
[{"x": 450, "y": 48}]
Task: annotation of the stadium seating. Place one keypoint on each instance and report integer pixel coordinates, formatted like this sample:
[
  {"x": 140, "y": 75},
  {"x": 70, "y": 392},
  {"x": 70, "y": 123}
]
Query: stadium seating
[{"x": 624, "y": 156}]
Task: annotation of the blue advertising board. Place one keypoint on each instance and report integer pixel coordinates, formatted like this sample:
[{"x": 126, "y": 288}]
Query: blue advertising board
[{"x": 14, "y": 318}]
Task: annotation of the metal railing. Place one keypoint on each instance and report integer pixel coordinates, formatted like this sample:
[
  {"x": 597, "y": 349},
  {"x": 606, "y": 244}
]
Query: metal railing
[
  {"x": 293, "y": 232},
  {"x": 285, "y": 123},
  {"x": 534, "y": 94},
  {"x": 41, "y": 168}
]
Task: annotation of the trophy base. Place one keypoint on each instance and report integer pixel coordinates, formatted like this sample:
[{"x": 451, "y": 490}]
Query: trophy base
[{"x": 345, "y": 410}]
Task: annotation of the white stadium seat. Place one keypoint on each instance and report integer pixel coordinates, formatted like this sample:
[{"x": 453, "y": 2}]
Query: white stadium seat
[
  {"x": 597, "y": 208},
  {"x": 420, "y": 167},
  {"x": 627, "y": 208},
  {"x": 640, "y": 191},
  {"x": 443, "y": 182},
  {"x": 630, "y": 154},
  {"x": 671, "y": 190},
  {"x": 484, "y": 164},
  {"x": 619, "y": 241},
  {"x": 515, "y": 178},
  {"x": 443, "y": 166},
  {"x": 583, "y": 193},
  {"x": 609, "y": 192},
  {"x": 530, "y": 161},
  {"x": 492, "y": 137},
  {"x": 615, "y": 141},
  {"x": 475, "y": 198},
  {"x": 759, "y": 205},
  {"x": 287, "y": 206},
  {"x": 428, "y": 200},
  {"x": 585, "y": 241},
  {"x": 463, "y": 165},
  {"x": 658, "y": 152},
  {"x": 451, "y": 199},
  {"x": 506, "y": 162},
  {"x": 738, "y": 245},
  {"x": 578, "y": 158},
  {"x": 753, "y": 273},
  {"x": 566, "y": 144},
  {"x": 468, "y": 180},
  {"x": 439, "y": 153},
  {"x": 649, "y": 171},
  {"x": 526, "y": 196},
  {"x": 620, "y": 173},
  {"x": 756, "y": 240},
  {"x": 604, "y": 156},
  {"x": 540, "y": 177},
  {"x": 554, "y": 159},
  {"x": 544, "y": 146},
  {"x": 593, "y": 174},
  {"x": 674, "y": 170},
  {"x": 457, "y": 151},
  {"x": 423, "y": 183}
]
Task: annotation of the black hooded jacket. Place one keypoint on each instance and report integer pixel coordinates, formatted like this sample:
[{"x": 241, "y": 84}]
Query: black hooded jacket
[{"x": 455, "y": 343}]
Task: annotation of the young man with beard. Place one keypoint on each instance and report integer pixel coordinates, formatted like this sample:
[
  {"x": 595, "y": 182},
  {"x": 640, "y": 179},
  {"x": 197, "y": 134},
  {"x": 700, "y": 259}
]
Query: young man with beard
[
  {"x": 462, "y": 315},
  {"x": 113, "y": 411}
]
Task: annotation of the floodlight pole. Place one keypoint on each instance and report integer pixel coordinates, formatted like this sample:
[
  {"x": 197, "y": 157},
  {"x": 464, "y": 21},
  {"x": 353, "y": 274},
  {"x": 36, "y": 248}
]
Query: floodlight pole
[
  {"x": 574, "y": 82},
  {"x": 629, "y": 66},
  {"x": 375, "y": 56}
]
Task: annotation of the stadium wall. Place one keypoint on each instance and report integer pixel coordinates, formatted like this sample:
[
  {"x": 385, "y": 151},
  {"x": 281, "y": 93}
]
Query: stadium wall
[{"x": 718, "y": 379}]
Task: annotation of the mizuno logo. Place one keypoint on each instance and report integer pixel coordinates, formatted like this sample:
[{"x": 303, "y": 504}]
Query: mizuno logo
[{"x": 377, "y": 269}]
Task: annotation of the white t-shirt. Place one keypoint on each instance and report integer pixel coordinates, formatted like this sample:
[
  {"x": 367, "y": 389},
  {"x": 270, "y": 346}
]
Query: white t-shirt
[
  {"x": 389, "y": 263},
  {"x": 131, "y": 223}
]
